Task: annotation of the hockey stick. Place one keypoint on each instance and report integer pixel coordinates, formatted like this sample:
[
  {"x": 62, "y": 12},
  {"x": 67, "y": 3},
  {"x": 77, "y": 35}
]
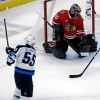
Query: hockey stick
[
  {"x": 5, "y": 25},
  {"x": 79, "y": 75}
]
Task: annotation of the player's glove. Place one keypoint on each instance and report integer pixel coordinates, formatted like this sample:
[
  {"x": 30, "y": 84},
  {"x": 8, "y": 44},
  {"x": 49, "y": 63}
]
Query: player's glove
[
  {"x": 9, "y": 49},
  {"x": 11, "y": 58}
]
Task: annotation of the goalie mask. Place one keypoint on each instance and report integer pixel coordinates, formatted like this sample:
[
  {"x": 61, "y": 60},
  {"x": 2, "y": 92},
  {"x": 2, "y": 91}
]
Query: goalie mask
[{"x": 75, "y": 10}]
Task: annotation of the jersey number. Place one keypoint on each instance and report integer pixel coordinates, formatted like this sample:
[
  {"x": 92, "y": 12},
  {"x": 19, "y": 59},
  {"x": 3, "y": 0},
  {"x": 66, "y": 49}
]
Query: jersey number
[{"x": 29, "y": 59}]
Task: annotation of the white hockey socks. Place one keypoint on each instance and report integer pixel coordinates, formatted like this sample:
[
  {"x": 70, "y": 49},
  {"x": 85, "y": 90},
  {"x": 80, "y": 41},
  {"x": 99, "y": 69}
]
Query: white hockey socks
[
  {"x": 26, "y": 98},
  {"x": 17, "y": 94}
]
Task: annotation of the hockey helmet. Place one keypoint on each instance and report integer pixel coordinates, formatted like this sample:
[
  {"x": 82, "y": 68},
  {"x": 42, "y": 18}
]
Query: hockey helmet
[
  {"x": 30, "y": 40},
  {"x": 75, "y": 10}
]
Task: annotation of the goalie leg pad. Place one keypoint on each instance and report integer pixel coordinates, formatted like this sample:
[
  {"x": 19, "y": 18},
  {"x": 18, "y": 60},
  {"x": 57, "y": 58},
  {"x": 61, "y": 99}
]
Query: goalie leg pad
[
  {"x": 60, "y": 49},
  {"x": 59, "y": 53}
]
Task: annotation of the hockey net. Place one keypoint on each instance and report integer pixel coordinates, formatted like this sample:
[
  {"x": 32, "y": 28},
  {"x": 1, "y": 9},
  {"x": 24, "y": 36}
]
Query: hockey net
[{"x": 88, "y": 14}]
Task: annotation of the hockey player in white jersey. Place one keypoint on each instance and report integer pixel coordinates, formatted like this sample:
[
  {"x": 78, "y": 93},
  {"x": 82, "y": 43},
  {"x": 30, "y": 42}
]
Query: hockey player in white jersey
[{"x": 24, "y": 56}]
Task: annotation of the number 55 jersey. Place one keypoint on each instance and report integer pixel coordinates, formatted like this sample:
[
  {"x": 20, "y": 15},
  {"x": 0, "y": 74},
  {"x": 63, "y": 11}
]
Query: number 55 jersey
[{"x": 25, "y": 59}]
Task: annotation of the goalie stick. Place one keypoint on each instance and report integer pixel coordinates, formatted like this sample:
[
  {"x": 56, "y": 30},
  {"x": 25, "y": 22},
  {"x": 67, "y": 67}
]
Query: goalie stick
[
  {"x": 80, "y": 74},
  {"x": 47, "y": 22}
]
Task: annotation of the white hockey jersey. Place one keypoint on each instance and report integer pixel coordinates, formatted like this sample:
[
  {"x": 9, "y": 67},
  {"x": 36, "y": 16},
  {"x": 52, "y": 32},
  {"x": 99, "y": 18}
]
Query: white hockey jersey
[{"x": 25, "y": 59}]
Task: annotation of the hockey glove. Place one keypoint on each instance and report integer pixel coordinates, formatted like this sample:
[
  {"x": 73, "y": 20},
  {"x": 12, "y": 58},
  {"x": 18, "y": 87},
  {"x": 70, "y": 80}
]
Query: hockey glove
[
  {"x": 9, "y": 49},
  {"x": 11, "y": 58}
]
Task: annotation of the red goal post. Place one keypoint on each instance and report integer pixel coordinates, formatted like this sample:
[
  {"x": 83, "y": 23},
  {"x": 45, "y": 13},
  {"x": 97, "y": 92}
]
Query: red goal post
[{"x": 46, "y": 20}]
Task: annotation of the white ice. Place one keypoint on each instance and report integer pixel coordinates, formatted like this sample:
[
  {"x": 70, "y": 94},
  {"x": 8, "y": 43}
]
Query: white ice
[{"x": 51, "y": 80}]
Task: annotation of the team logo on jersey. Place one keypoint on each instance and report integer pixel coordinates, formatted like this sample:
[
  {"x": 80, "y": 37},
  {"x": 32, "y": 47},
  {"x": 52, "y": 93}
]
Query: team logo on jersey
[{"x": 69, "y": 27}]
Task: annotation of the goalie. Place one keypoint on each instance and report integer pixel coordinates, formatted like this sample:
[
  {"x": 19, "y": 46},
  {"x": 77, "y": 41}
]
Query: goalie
[{"x": 68, "y": 30}]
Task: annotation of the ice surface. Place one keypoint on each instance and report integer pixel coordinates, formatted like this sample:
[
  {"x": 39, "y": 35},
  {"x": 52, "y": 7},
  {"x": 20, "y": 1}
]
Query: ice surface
[{"x": 51, "y": 80}]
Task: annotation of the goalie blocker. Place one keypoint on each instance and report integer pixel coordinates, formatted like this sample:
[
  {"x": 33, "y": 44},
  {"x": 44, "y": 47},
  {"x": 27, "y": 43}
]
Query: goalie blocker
[{"x": 88, "y": 43}]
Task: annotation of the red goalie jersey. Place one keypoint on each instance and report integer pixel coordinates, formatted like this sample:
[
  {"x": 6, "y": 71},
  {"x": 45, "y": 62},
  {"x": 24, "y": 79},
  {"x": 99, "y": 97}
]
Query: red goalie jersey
[{"x": 72, "y": 26}]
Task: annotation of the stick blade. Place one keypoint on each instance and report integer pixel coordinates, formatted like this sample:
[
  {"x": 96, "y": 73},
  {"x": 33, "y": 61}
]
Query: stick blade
[{"x": 75, "y": 76}]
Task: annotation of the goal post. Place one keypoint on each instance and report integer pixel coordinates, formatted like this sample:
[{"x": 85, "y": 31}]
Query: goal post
[
  {"x": 46, "y": 18},
  {"x": 93, "y": 16}
]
